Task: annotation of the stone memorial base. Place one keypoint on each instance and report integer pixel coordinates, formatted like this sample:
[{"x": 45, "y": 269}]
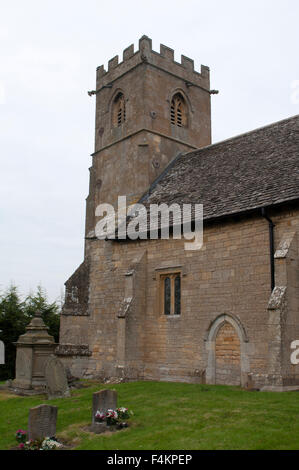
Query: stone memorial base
[
  {"x": 26, "y": 392},
  {"x": 11, "y": 388},
  {"x": 99, "y": 428}
]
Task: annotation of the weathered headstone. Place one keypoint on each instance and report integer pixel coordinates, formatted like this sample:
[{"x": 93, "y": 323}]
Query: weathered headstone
[
  {"x": 42, "y": 421},
  {"x": 102, "y": 401},
  {"x": 56, "y": 378}
]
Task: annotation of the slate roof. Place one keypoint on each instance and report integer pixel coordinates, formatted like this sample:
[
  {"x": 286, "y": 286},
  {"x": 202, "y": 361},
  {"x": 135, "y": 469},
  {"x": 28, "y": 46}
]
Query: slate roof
[{"x": 256, "y": 169}]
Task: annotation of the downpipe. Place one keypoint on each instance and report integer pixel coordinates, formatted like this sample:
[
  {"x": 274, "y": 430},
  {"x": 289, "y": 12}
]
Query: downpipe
[{"x": 271, "y": 243}]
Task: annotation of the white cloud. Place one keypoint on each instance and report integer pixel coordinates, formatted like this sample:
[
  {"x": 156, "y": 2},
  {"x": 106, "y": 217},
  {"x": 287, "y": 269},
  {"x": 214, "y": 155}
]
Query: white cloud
[{"x": 2, "y": 93}]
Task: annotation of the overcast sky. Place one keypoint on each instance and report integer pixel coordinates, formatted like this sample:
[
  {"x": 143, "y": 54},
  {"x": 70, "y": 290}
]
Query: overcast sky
[{"x": 49, "y": 51}]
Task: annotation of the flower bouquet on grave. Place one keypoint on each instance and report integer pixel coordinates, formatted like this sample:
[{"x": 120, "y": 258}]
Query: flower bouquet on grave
[
  {"x": 111, "y": 417},
  {"x": 123, "y": 413},
  {"x": 100, "y": 417},
  {"x": 50, "y": 443},
  {"x": 32, "y": 444},
  {"x": 21, "y": 436}
]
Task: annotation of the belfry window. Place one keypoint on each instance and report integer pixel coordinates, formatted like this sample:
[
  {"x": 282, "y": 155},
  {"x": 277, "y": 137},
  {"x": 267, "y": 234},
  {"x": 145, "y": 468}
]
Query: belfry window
[
  {"x": 171, "y": 293},
  {"x": 119, "y": 110},
  {"x": 178, "y": 111}
]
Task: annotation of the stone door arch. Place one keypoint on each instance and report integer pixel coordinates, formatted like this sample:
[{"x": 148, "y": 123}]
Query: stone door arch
[{"x": 227, "y": 347}]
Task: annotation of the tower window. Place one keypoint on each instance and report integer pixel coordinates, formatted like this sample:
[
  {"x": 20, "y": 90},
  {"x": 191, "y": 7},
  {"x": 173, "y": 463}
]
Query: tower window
[
  {"x": 178, "y": 111},
  {"x": 171, "y": 293},
  {"x": 119, "y": 110}
]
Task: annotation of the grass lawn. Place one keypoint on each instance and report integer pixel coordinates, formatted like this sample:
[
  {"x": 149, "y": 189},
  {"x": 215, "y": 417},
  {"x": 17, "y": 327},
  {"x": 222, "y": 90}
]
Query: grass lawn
[{"x": 169, "y": 416}]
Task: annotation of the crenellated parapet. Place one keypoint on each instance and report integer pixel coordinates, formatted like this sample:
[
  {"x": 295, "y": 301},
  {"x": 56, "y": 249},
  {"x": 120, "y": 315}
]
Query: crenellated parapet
[{"x": 163, "y": 60}]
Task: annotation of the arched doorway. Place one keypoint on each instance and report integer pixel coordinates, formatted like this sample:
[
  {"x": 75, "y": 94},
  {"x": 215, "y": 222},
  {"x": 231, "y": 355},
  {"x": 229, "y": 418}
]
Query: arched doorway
[
  {"x": 227, "y": 356},
  {"x": 227, "y": 347}
]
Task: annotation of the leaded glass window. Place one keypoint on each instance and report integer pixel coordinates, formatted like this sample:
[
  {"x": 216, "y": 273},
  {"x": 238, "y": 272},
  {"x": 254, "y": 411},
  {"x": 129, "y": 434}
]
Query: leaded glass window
[
  {"x": 177, "y": 295},
  {"x": 167, "y": 295},
  {"x": 171, "y": 293}
]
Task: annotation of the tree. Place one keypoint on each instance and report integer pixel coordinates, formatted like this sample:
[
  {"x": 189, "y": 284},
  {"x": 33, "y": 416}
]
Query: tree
[
  {"x": 12, "y": 325},
  {"x": 16, "y": 314},
  {"x": 50, "y": 311}
]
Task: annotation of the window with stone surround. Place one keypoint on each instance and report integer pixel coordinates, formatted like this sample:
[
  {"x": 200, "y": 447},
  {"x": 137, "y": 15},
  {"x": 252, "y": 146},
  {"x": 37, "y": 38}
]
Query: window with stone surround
[
  {"x": 119, "y": 110},
  {"x": 178, "y": 111},
  {"x": 170, "y": 293}
]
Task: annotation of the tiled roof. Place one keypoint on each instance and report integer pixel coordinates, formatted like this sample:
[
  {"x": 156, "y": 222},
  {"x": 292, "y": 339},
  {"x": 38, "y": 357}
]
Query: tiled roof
[{"x": 256, "y": 169}]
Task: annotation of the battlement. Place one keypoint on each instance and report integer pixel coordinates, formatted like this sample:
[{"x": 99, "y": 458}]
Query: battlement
[{"x": 163, "y": 60}]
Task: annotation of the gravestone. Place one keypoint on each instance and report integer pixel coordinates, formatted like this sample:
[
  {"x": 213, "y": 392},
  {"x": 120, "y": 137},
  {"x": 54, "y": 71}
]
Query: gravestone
[
  {"x": 42, "y": 421},
  {"x": 102, "y": 401},
  {"x": 56, "y": 378}
]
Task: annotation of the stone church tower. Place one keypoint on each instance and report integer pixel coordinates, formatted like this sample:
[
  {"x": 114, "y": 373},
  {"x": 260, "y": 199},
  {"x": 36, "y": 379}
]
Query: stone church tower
[{"x": 134, "y": 136}]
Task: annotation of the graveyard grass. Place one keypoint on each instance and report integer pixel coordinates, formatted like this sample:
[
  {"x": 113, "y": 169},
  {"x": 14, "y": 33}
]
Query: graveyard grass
[{"x": 168, "y": 416}]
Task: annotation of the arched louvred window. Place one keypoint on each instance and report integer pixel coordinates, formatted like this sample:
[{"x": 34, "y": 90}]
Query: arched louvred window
[
  {"x": 177, "y": 295},
  {"x": 119, "y": 110},
  {"x": 167, "y": 294},
  {"x": 178, "y": 111}
]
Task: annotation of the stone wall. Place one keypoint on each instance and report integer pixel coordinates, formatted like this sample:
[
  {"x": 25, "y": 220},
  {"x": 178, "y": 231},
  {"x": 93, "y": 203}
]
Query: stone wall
[{"x": 229, "y": 276}]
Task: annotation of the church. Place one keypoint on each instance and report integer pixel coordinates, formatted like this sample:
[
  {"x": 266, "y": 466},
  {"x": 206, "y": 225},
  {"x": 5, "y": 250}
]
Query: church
[{"x": 147, "y": 309}]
